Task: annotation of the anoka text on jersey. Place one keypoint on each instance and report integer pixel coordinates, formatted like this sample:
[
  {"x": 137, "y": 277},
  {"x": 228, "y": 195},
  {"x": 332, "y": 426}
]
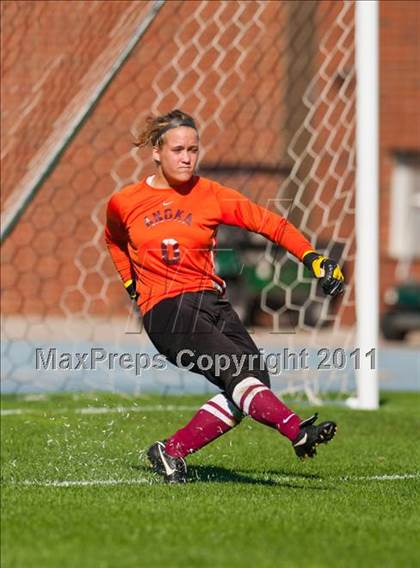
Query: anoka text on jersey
[{"x": 168, "y": 214}]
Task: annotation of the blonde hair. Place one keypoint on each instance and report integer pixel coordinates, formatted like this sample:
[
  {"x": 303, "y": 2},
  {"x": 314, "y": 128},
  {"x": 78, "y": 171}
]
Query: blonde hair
[{"x": 156, "y": 126}]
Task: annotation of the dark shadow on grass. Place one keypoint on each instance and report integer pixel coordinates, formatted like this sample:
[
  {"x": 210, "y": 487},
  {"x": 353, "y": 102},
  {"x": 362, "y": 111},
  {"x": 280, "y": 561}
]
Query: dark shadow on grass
[{"x": 216, "y": 474}]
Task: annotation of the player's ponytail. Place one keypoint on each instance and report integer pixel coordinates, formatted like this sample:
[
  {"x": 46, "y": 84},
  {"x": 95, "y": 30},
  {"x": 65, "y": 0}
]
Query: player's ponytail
[{"x": 156, "y": 126}]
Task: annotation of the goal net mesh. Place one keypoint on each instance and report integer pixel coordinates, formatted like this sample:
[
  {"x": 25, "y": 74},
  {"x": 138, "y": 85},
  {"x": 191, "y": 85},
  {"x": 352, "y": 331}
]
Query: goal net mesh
[{"x": 272, "y": 88}]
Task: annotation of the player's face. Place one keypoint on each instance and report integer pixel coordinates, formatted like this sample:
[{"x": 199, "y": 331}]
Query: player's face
[{"x": 178, "y": 154}]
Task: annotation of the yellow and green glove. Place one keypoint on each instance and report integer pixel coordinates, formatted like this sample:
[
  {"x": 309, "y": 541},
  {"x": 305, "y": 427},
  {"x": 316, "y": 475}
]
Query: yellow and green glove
[
  {"x": 327, "y": 270},
  {"x": 130, "y": 286}
]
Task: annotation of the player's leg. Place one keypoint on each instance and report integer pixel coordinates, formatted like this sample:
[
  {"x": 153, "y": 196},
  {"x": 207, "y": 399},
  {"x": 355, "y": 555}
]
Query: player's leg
[
  {"x": 254, "y": 397},
  {"x": 192, "y": 322},
  {"x": 205, "y": 325},
  {"x": 262, "y": 404},
  {"x": 216, "y": 417}
]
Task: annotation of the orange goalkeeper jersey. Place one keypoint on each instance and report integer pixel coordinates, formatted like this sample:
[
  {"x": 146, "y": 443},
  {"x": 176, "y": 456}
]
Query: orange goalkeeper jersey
[{"x": 165, "y": 238}]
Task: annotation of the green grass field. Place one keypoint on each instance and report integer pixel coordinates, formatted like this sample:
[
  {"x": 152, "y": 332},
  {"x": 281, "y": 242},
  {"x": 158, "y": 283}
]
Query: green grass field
[{"x": 77, "y": 492}]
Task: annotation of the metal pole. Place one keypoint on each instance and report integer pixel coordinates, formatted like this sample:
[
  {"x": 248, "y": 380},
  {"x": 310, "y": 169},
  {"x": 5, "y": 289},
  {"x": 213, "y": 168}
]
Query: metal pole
[{"x": 367, "y": 188}]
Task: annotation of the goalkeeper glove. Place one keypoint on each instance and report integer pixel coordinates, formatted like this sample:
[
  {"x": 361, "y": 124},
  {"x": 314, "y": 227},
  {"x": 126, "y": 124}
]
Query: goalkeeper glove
[
  {"x": 327, "y": 270},
  {"x": 130, "y": 286}
]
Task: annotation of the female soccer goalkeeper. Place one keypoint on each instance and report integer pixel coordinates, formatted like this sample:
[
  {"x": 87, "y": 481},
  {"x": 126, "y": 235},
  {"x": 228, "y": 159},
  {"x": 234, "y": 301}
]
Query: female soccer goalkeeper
[{"x": 160, "y": 233}]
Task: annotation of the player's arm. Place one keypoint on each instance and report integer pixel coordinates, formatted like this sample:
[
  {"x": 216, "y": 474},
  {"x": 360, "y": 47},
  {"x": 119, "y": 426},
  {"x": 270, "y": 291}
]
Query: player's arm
[
  {"x": 116, "y": 242},
  {"x": 238, "y": 210}
]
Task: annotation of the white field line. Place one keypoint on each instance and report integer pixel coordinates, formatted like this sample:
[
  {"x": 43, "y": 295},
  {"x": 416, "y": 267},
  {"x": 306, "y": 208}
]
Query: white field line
[
  {"x": 100, "y": 409},
  {"x": 385, "y": 477},
  {"x": 142, "y": 481},
  {"x": 85, "y": 482},
  {"x": 389, "y": 477}
]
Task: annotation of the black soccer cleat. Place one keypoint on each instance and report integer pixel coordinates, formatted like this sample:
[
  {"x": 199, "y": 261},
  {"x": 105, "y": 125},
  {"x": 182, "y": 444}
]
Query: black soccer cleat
[
  {"x": 311, "y": 435},
  {"x": 174, "y": 470}
]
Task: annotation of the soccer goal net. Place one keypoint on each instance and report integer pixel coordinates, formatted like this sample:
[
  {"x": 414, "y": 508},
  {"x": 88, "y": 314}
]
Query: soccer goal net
[{"x": 272, "y": 86}]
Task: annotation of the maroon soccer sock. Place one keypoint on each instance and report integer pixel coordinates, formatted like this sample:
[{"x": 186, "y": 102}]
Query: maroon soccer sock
[
  {"x": 257, "y": 400},
  {"x": 216, "y": 417}
]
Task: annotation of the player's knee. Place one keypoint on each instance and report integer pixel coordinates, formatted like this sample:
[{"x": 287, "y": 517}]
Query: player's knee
[{"x": 261, "y": 375}]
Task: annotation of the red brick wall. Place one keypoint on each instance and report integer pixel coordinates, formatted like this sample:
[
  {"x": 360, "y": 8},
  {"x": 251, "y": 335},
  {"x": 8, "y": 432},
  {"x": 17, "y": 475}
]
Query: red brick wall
[
  {"x": 399, "y": 109},
  {"x": 54, "y": 262},
  {"x": 48, "y": 48}
]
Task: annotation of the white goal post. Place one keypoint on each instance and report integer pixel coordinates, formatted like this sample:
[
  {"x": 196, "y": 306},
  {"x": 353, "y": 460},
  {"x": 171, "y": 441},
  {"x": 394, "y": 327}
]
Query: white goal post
[{"x": 367, "y": 206}]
